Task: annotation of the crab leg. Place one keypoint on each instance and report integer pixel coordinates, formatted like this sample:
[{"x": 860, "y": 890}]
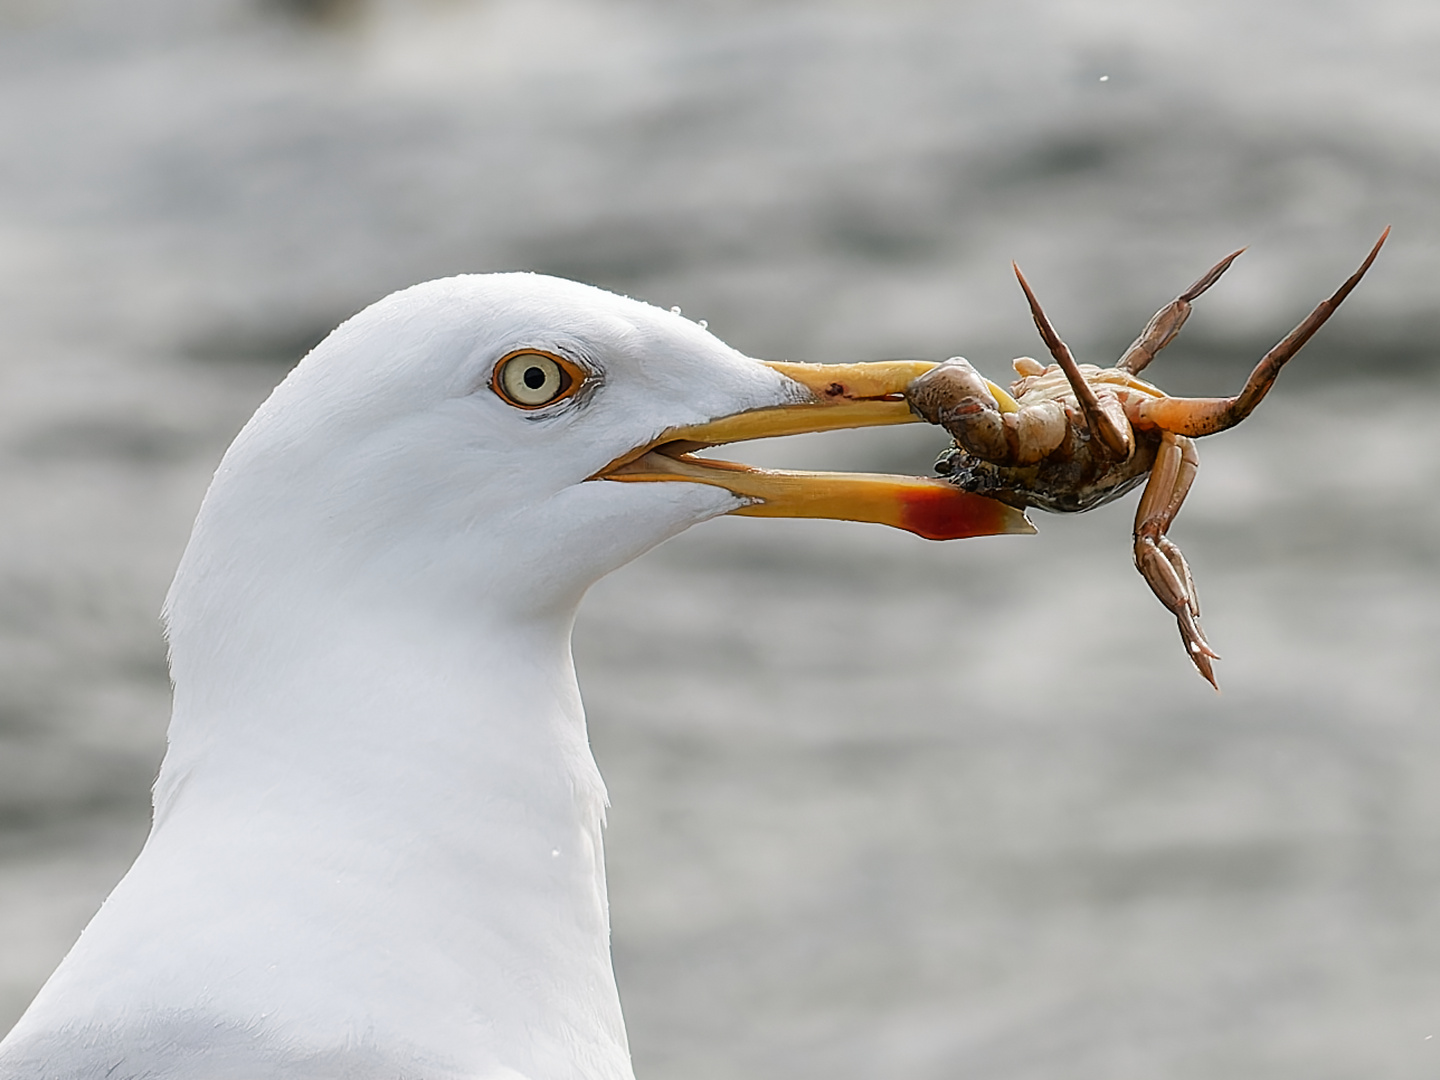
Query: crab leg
[
  {"x": 1106, "y": 419},
  {"x": 1206, "y": 416},
  {"x": 1156, "y": 556},
  {"x": 1166, "y": 323}
]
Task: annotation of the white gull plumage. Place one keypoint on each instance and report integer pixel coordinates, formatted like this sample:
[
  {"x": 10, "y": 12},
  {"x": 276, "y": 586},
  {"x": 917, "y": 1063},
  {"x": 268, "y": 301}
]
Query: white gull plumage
[{"x": 376, "y": 848}]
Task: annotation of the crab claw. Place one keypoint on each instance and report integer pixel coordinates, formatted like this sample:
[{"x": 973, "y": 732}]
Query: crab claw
[
  {"x": 959, "y": 399},
  {"x": 1206, "y": 416}
]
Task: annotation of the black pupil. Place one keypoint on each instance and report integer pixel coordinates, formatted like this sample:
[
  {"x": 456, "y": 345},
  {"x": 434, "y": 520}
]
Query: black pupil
[{"x": 534, "y": 377}]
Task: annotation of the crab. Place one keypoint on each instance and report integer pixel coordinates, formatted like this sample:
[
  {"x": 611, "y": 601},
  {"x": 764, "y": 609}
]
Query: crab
[{"x": 1069, "y": 437}]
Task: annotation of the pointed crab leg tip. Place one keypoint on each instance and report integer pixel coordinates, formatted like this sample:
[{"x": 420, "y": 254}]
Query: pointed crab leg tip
[
  {"x": 1384, "y": 235},
  {"x": 1354, "y": 279},
  {"x": 1224, "y": 263},
  {"x": 1316, "y": 319},
  {"x": 1207, "y": 672},
  {"x": 1209, "y": 277},
  {"x": 1025, "y": 286}
]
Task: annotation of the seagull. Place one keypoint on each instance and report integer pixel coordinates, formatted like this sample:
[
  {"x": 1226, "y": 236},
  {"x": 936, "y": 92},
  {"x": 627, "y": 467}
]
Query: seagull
[{"x": 376, "y": 842}]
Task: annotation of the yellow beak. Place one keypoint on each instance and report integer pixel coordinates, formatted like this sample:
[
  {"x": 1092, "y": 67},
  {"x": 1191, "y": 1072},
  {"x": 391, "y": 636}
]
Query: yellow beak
[{"x": 841, "y": 396}]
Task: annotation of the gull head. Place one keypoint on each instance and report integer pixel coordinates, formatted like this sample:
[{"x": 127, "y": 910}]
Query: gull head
[{"x": 469, "y": 441}]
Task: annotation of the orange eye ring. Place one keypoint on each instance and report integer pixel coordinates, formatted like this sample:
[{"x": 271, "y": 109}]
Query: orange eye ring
[{"x": 533, "y": 378}]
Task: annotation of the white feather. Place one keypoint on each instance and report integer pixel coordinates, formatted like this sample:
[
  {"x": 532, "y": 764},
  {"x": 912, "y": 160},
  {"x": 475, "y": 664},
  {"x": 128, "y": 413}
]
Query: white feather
[{"x": 376, "y": 849}]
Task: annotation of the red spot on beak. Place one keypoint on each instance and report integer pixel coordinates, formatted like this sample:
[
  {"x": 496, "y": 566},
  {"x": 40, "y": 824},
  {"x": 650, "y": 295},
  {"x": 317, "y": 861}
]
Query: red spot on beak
[{"x": 947, "y": 513}]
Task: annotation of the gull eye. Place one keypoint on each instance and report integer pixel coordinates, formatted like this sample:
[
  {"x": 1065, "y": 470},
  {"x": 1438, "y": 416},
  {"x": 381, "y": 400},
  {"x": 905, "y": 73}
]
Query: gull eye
[{"x": 529, "y": 379}]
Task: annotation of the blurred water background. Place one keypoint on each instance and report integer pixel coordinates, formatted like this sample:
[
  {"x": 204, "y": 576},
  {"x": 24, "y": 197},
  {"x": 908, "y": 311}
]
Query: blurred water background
[{"x": 882, "y": 807}]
